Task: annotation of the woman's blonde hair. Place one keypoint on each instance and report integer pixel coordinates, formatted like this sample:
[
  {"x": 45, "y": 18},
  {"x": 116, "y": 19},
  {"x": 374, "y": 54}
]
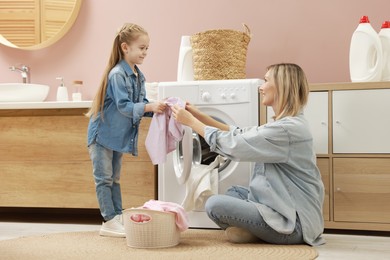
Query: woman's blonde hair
[
  {"x": 127, "y": 34},
  {"x": 292, "y": 88}
]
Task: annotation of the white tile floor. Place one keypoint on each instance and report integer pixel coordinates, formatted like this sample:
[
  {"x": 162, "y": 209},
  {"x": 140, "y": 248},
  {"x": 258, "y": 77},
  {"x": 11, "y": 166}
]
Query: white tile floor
[{"x": 349, "y": 246}]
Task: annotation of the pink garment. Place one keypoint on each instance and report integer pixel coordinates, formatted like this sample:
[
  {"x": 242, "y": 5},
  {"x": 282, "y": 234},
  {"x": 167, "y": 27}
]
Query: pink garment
[
  {"x": 181, "y": 215},
  {"x": 164, "y": 132}
]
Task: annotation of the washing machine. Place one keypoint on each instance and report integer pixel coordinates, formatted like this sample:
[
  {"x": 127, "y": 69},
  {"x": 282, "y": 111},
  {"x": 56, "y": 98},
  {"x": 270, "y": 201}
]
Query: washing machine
[{"x": 233, "y": 102}]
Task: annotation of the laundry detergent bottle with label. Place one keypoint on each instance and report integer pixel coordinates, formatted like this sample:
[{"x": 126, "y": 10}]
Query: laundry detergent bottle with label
[
  {"x": 365, "y": 54},
  {"x": 384, "y": 36},
  {"x": 185, "y": 68}
]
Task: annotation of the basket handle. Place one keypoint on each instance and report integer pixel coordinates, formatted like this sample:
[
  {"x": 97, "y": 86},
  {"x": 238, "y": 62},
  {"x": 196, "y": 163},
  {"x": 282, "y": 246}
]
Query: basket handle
[
  {"x": 247, "y": 30},
  {"x": 140, "y": 218}
]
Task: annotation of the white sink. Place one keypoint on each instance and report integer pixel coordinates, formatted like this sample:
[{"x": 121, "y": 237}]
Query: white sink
[{"x": 23, "y": 92}]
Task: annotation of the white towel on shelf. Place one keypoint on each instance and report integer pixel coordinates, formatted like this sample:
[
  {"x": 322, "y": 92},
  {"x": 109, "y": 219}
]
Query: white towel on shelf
[{"x": 200, "y": 185}]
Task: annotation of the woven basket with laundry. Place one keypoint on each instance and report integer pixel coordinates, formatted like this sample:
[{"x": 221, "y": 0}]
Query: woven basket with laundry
[{"x": 147, "y": 228}]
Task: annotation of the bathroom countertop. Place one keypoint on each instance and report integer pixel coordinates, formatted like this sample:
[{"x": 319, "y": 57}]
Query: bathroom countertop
[{"x": 45, "y": 105}]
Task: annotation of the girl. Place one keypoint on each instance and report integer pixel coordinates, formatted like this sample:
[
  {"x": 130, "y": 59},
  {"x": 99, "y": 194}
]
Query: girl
[
  {"x": 115, "y": 116},
  {"x": 283, "y": 203}
]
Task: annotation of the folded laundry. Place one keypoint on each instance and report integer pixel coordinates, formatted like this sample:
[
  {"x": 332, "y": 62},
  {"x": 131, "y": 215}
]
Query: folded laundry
[{"x": 181, "y": 215}]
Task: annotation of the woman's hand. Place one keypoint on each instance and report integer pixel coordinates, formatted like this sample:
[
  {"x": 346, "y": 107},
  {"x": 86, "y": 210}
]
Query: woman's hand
[
  {"x": 185, "y": 117},
  {"x": 204, "y": 118},
  {"x": 182, "y": 116},
  {"x": 193, "y": 110}
]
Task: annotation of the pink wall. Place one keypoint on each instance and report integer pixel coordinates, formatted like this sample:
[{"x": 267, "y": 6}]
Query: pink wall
[{"x": 314, "y": 34}]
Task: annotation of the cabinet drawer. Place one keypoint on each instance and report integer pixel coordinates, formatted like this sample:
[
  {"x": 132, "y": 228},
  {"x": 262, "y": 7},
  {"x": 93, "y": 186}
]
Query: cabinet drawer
[
  {"x": 323, "y": 166},
  {"x": 53, "y": 138},
  {"x": 361, "y": 121},
  {"x": 70, "y": 184},
  {"x": 361, "y": 189},
  {"x": 316, "y": 112}
]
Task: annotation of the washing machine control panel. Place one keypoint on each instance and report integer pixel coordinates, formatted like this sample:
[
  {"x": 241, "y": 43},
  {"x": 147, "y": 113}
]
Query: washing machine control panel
[
  {"x": 211, "y": 92},
  {"x": 205, "y": 96},
  {"x": 223, "y": 95}
]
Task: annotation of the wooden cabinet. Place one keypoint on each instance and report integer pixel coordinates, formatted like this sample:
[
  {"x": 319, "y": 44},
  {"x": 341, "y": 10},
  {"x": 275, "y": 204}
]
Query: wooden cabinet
[
  {"x": 358, "y": 158},
  {"x": 44, "y": 162}
]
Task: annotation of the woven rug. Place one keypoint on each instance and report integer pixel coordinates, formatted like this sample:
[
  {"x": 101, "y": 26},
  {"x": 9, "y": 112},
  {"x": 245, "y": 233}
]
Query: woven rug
[{"x": 194, "y": 244}]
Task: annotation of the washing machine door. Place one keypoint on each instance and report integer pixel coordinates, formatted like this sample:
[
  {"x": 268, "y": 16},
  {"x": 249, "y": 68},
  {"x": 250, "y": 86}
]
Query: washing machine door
[
  {"x": 193, "y": 150},
  {"x": 187, "y": 155}
]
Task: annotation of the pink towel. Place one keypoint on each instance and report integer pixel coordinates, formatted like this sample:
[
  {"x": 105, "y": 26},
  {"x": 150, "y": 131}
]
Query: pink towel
[
  {"x": 181, "y": 215},
  {"x": 164, "y": 132}
]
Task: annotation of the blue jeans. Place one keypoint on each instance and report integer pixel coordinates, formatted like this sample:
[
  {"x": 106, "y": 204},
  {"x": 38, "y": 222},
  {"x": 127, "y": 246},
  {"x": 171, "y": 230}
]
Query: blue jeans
[
  {"x": 106, "y": 171},
  {"x": 234, "y": 210}
]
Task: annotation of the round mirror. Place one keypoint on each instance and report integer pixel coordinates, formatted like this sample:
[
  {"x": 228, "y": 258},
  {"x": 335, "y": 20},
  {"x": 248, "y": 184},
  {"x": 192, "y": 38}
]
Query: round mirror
[{"x": 36, "y": 24}]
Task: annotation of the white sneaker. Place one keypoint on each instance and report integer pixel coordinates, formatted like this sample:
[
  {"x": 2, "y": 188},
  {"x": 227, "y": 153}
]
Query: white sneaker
[
  {"x": 113, "y": 228},
  {"x": 120, "y": 218},
  {"x": 240, "y": 235}
]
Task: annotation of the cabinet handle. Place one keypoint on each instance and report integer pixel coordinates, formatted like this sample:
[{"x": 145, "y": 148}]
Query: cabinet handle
[
  {"x": 323, "y": 123},
  {"x": 338, "y": 189},
  {"x": 338, "y": 122}
]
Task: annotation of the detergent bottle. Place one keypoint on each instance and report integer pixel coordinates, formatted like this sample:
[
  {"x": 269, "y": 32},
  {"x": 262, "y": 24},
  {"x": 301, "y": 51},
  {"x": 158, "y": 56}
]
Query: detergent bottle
[
  {"x": 185, "y": 68},
  {"x": 384, "y": 35},
  {"x": 365, "y": 54}
]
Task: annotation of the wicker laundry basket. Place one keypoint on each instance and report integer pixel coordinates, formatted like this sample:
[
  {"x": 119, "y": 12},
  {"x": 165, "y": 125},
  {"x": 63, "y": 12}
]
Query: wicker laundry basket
[
  {"x": 159, "y": 230},
  {"x": 220, "y": 54}
]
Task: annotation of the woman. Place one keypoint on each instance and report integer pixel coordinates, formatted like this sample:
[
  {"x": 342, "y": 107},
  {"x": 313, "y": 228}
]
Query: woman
[{"x": 283, "y": 202}]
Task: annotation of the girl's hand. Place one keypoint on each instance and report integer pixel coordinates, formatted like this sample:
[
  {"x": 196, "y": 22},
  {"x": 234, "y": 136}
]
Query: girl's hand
[
  {"x": 160, "y": 107},
  {"x": 157, "y": 107}
]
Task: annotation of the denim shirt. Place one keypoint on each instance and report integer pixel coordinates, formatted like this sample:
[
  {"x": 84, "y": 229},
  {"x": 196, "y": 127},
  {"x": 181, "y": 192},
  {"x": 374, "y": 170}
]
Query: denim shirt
[
  {"x": 123, "y": 109},
  {"x": 285, "y": 181}
]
